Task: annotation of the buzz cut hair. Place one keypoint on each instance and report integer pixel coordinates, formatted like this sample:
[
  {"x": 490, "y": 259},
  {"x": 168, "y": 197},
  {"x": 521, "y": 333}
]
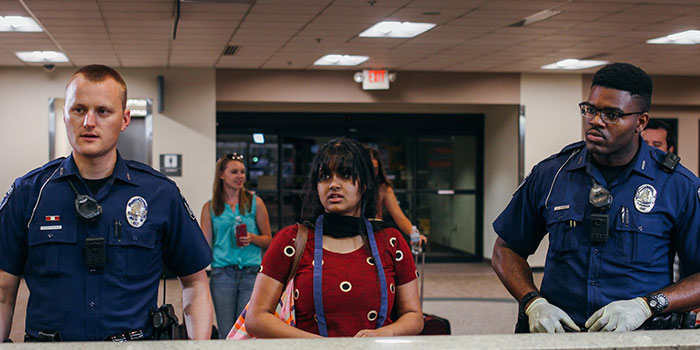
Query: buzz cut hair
[
  {"x": 98, "y": 73},
  {"x": 626, "y": 77}
]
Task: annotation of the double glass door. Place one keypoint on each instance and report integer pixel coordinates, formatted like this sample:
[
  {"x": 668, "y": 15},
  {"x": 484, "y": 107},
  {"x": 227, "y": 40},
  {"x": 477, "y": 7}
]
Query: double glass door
[{"x": 433, "y": 162}]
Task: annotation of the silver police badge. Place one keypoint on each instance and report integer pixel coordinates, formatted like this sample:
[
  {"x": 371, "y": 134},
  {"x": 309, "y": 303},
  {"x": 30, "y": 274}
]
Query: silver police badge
[
  {"x": 136, "y": 211},
  {"x": 645, "y": 198}
]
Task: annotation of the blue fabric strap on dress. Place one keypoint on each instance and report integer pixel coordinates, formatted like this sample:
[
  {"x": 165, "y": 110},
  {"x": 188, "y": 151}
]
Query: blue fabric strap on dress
[
  {"x": 383, "y": 308},
  {"x": 318, "y": 273}
]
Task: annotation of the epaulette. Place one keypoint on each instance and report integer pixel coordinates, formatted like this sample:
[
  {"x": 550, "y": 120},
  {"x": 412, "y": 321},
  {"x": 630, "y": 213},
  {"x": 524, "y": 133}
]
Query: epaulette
[
  {"x": 50, "y": 165},
  {"x": 568, "y": 149},
  {"x": 136, "y": 165}
]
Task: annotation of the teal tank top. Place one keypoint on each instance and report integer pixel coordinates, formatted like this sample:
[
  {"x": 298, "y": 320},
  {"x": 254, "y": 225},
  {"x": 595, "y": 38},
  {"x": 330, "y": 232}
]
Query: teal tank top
[{"x": 226, "y": 252}]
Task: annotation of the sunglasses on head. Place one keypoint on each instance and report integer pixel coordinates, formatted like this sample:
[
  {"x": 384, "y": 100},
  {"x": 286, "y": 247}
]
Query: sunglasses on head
[{"x": 234, "y": 156}]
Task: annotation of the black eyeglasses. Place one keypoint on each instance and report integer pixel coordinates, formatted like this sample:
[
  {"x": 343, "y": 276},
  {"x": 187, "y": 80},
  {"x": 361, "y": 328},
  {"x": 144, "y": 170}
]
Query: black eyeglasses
[
  {"x": 234, "y": 156},
  {"x": 589, "y": 111}
]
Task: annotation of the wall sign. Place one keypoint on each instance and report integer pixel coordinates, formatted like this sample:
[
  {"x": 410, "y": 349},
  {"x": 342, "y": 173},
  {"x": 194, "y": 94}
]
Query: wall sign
[{"x": 171, "y": 164}]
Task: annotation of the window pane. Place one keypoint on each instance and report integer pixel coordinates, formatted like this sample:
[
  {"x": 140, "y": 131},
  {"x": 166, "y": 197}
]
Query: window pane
[
  {"x": 447, "y": 162},
  {"x": 449, "y": 223}
]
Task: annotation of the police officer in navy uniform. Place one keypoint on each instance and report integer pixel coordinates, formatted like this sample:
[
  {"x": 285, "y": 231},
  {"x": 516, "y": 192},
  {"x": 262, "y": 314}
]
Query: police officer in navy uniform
[
  {"x": 616, "y": 210},
  {"x": 89, "y": 232}
]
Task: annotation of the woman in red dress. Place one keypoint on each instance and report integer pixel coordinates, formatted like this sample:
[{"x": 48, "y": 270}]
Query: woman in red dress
[{"x": 352, "y": 273}]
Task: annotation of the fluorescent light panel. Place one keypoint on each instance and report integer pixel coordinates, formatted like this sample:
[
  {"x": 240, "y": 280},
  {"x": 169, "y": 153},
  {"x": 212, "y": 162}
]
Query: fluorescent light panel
[
  {"x": 573, "y": 64},
  {"x": 18, "y": 24},
  {"x": 537, "y": 17},
  {"x": 41, "y": 56},
  {"x": 395, "y": 29},
  {"x": 258, "y": 138},
  {"x": 340, "y": 60},
  {"x": 688, "y": 37}
]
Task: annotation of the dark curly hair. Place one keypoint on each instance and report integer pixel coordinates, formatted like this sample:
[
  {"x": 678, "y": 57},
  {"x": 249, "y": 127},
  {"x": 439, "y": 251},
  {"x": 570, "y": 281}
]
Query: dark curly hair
[
  {"x": 626, "y": 77},
  {"x": 336, "y": 155}
]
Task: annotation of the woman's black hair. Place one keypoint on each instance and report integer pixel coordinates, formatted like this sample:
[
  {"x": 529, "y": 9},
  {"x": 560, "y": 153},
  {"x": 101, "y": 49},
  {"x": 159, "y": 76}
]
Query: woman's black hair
[
  {"x": 381, "y": 174},
  {"x": 342, "y": 155}
]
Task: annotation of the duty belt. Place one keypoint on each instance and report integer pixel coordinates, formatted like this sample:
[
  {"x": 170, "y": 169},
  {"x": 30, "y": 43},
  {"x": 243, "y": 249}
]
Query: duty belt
[{"x": 47, "y": 335}]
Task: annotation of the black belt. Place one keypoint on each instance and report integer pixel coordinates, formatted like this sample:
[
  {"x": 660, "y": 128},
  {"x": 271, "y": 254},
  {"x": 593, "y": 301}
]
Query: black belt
[{"x": 48, "y": 336}]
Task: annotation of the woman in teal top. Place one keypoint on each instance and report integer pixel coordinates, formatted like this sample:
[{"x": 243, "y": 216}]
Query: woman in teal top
[{"x": 236, "y": 260}]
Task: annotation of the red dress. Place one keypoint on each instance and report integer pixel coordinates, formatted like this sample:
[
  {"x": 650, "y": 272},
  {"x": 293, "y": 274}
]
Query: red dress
[{"x": 351, "y": 293}]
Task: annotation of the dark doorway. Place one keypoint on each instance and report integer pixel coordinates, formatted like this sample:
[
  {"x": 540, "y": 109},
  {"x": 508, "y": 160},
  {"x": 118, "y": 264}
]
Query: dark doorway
[{"x": 435, "y": 163}]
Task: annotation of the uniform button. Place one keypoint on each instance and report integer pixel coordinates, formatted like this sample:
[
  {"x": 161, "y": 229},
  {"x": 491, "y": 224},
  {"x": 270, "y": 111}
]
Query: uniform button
[
  {"x": 136, "y": 238},
  {"x": 595, "y": 251},
  {"x": 639, "y": 228},
  {"x": 593, "y": 283},
  {"x": 50, "y": 235},
  {"x": 92, "y": 304}
]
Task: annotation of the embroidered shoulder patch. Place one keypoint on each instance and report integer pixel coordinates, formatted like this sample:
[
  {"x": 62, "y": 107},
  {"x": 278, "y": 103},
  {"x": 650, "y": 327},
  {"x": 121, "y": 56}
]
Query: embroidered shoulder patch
[
  {"x": 187, "y": 206},
  {"x": 9, "y": 193}
]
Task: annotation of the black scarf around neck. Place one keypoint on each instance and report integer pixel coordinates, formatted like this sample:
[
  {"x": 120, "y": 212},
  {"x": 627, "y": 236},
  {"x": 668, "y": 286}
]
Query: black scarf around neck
[{"x": 341, "y": 226}]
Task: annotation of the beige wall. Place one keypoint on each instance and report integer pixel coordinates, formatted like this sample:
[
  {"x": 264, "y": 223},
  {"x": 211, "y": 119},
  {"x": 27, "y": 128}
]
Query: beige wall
[
  {"x": 187, "y": 125},
  {"x": 338, "y": 87},
  {"x": 552, "y": 122}
]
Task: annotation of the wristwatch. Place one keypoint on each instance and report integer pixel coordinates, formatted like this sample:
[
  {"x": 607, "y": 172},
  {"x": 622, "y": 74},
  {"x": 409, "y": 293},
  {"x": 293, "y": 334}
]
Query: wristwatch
[
  {"x": 524, "y": 301},
  {"x": 657, "y": 303}
]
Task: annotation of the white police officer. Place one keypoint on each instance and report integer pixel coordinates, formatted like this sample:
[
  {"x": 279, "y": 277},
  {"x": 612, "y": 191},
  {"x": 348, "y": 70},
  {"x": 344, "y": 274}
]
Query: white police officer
[{"x": 89, "y": 232}]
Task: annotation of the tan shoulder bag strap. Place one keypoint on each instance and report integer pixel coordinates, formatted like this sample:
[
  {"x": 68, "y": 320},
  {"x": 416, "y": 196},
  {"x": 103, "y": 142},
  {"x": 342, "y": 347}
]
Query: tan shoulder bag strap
[{"x": 299, "y": 244}]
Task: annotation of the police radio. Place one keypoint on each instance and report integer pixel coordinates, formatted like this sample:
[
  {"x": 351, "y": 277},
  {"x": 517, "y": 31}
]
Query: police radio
[
  {"x": 87, "y": 207},
  {"x": 165, "y": 321}
]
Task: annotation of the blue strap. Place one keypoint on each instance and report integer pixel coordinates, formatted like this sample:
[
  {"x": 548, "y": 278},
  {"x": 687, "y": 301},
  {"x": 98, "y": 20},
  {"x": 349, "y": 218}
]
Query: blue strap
[
  {"x": 380, "y": 272},
  {"x": 318, "y": 273}
]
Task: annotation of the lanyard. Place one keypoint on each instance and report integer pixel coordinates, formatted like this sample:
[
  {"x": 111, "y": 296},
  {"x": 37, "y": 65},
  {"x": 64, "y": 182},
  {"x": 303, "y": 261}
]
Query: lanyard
[{"x": 318, "y": 273}]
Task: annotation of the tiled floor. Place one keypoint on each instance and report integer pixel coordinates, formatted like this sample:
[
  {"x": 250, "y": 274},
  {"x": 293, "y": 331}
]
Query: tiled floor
[{"x": 469, "y": 295}]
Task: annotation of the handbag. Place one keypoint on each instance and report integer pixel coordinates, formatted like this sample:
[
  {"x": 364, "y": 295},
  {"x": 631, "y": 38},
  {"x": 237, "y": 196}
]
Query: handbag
[{"x": 285, "y": 306}]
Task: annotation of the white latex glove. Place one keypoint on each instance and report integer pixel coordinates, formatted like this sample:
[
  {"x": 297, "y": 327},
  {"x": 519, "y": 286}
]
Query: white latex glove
[
  {"x": 619, "y": 316},
  {"x": 547, "y": 318}
]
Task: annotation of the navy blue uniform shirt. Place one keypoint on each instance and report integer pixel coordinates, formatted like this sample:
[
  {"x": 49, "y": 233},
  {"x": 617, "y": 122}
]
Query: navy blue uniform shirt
[
  {"x": 43, "y": 239},
  {"x": 580, "y": 276}
]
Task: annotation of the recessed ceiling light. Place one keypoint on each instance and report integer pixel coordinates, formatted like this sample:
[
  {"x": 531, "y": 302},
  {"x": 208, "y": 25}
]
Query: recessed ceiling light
[
  {"x": 340, "y": 60},
  {"x": 18, "y": 24},
  {"x": 41, "y": 56},
  {"x": 537, "y": 17},
  {"x": 689, "y": 37},
  {"x": 572, "y": 64},
  {"x": 395, "y": 29}
]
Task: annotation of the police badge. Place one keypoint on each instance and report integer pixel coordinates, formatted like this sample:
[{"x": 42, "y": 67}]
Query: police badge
[
  {"x": 645, "y": 198},
  {"x": 136, "y": 211}
]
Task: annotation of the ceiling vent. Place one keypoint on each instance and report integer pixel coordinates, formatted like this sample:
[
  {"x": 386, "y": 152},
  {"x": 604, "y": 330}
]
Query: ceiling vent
[{"x": 230, "y": 50}]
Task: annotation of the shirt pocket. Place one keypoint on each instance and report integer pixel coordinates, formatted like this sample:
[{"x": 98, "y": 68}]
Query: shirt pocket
[
  {"x": 641, "y": 240},
  {"x": 52, "y": 251},
  {"x": 564, "y": 228},
  {"x": 131, "y": 251}
]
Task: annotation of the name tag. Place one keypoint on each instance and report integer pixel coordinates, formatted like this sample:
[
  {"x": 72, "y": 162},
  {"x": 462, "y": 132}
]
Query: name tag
[
  {"x": 51, "y": 227},
  {"x": 561, "y": 207}
]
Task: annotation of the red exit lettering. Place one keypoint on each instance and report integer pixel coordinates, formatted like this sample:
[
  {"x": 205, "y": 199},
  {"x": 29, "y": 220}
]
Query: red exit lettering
[{"x": 377, "y": 76}]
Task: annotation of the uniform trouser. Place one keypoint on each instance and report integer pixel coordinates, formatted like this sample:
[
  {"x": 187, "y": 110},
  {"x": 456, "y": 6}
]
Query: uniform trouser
[{"x": 231, "y": 288}]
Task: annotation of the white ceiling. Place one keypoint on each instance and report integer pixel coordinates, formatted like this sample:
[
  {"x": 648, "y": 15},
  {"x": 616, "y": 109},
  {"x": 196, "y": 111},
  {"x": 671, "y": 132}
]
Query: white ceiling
[{"x": 471, "y": 35}]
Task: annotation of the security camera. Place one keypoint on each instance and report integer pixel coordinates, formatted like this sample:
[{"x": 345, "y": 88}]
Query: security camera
[{"x": 49, "y": 67}]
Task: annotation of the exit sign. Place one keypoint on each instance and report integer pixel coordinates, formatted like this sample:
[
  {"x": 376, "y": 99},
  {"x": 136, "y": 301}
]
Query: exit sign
[{"x": 374, "y": 79}]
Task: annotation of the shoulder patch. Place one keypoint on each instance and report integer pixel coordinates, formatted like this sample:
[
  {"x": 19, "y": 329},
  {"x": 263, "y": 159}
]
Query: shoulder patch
[
  {"x": 12, "y": 187},
  {"x": 187, "y": 207},
  {"x": 521, "y": 184}
]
